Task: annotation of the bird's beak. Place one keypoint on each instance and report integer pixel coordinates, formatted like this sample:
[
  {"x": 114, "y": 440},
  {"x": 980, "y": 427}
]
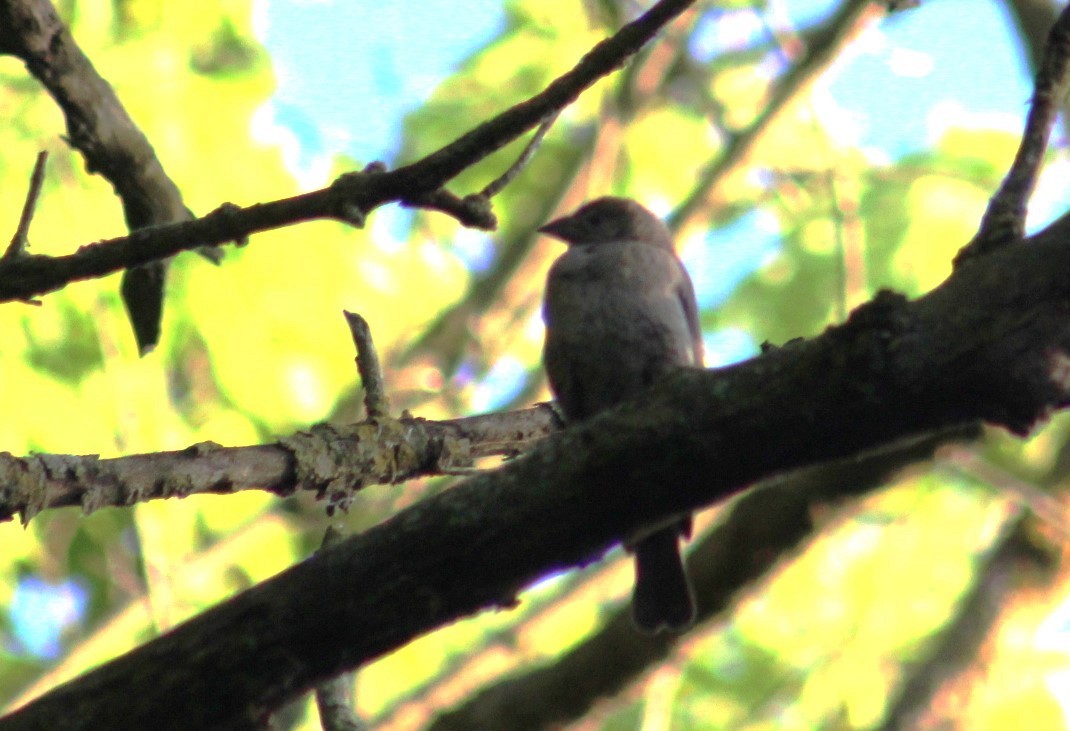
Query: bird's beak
[{"x": 559, "y": 228}]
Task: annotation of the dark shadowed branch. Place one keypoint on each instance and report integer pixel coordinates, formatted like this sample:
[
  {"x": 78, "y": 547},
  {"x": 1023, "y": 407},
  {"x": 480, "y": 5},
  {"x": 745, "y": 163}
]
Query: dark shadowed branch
[
  {"x": 761, "y": 527},
  {"x": 1004, "y": 220},
  {"x": 983, "y": 346}
]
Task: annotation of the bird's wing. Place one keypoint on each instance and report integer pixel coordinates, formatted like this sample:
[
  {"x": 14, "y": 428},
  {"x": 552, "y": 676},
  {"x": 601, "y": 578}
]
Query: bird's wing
[
  {"x": 685, "y": 292},
  {"x": 559, "y": 362}
]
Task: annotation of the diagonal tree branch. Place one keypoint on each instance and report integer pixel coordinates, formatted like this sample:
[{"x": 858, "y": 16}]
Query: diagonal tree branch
[
  {"x": 350, "y": 198},
  {"x": 112, "y": 145},
  {"x": 450, "y": 335},
  {"x": 1004, "y": 219},
  {"x": 763, "y": 525},
  {"x": 988, "y": 344},
  {"x": 823, "y": 45},
  {"x": 1013, "y": 564}
]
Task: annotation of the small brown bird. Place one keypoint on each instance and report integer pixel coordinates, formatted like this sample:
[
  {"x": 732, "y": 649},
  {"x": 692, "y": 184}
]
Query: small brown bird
[{"x": 620, "y": 312}]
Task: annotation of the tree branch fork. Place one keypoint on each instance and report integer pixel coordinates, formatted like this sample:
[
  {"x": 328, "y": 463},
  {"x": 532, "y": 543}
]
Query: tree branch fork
[
  {"x": 351, "y": 197},
  {"x": 989, "y": 344}
]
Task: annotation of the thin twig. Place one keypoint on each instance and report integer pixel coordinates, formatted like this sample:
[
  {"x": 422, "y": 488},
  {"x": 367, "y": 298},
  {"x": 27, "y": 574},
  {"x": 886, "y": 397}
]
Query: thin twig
[
  {"x": 1044, "y": 507},
  {"x": 1004, "y": 220},
  {"x": 824, "y": 47},
  {"x": 440, "y": 338},
  {"x": 20, "y": 240},
  {"x": 496, "y": 186},
  {"x": 376, "y": 404},
  {"x": 334, "y": 698},
  {"x": 896, "y": 6}
]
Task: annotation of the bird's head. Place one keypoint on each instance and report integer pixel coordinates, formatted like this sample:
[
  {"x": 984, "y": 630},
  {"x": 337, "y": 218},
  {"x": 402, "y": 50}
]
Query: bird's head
[{"x": 610, "y": 220}]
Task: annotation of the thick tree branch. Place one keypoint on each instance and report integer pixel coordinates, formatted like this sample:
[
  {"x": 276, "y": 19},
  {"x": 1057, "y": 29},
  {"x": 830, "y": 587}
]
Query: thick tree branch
[
  {"x": 767, "y": 522},
  {"x": 988, "y": 344},
  {"x": 350, "y": 198}
]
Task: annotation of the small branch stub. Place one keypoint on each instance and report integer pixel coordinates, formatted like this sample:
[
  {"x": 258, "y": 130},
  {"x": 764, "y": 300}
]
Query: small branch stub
[{"x": 376, "y": 404}]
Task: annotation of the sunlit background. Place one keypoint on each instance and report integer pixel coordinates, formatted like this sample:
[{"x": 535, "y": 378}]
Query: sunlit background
[{"x": 873, "y": 175}]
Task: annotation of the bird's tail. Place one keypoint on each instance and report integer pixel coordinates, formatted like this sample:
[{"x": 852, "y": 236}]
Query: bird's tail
[{"x": 663, "y": 597}]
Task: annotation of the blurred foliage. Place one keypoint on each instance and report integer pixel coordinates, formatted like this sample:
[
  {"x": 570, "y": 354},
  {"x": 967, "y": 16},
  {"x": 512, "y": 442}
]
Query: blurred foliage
[{"x": 257, "y": 348}]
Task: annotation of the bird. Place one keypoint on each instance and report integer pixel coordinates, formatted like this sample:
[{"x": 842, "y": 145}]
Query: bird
[{"x": 620, "y": 312}]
